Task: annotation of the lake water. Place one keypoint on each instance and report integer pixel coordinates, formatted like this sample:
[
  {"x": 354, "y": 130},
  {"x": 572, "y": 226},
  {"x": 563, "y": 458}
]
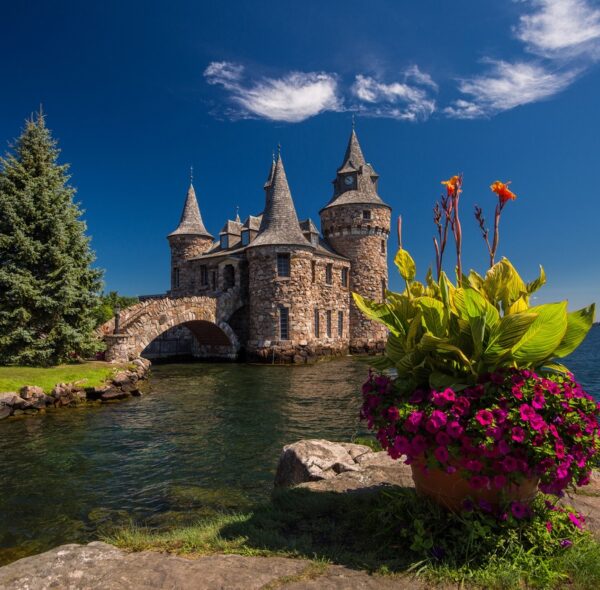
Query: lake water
[{"x": 206, "y": 437}]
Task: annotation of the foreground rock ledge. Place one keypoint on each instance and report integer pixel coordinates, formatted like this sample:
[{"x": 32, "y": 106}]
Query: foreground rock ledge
[{"x": 99, "y": 566}]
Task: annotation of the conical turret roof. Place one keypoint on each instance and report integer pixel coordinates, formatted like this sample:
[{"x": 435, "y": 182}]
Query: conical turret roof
[
  {"x": 279, "y": 223},
  {"x": 191, "y": 223},
  {"x": 363, "y": 185}
]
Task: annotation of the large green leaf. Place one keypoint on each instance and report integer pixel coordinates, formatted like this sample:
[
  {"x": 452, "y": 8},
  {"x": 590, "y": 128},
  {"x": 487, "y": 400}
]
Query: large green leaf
[
  {"x": 395, "y": 348},
  {"x": 578, "y": 325},
  {"x": 543, "y": 336},
  {"x": 506, "y": 334},
  {"x": 503, "y": 285},
  {"x": 406, "y": 265},
  {"x": 378, "y": 312},
  {"x": 430, "y": 343},
  {"x": 434, "y": 315}
]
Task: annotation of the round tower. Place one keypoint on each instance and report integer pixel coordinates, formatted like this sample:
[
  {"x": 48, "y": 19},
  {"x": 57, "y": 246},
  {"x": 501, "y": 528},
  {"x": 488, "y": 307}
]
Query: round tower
[
  {"x": 279, "y": 271},
  {"x": 189, "y": 240},
  {"x": 356, "y": 223}
]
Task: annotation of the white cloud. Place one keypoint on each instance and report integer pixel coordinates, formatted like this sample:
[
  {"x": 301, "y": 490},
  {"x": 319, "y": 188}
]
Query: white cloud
[
  {"x": 398, "y": 100},
  {"x": 505, "y": 86},
  {"x": 291, "y": 98},
  {"x": 561, "y": 28}
]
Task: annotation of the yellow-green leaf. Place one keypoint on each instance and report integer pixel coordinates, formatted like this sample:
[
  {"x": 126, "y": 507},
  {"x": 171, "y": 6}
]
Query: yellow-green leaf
[
  {"x": 406, "y": 265},
  {"x": 578, "y": 325}
]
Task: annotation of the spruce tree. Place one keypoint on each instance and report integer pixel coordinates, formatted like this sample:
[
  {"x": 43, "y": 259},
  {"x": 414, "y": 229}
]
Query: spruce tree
[{"x": 48, "y": 288}]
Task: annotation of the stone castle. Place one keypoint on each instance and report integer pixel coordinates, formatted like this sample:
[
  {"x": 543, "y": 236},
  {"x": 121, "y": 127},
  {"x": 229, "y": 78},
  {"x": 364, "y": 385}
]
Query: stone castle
[{"x": 294, "y": 283}]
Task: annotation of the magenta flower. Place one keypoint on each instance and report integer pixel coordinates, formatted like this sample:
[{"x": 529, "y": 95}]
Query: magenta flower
[
  {"x": 479, "y": 482},
  {"x": 393, "y": 413},
  {"x": 519, "y": 510},
  {"x": 517, "y": 434},
  {"x": 413, "y": 421},
  {"x": 548, "y": 526},
  {"x": 499, "y": 481},
  {"x": 484, "y": 417},
  {"x": 566, "y": 543},
  {"x": 461, "y": 406},
  {"x": 473, "y": 465},
  {"x": 454, "y": 429},
  {"x": 419, "y": 444},
  {"x": 537, "y": 422},
  {"x": 442, "y": 439},
  {"x": 509, "y": 464},
  {"x": 538, "y": 401},
  {"x": 573, "y": 518},
  {"x": 526, "y": 412},
  {"x": 441, "y": 454}
]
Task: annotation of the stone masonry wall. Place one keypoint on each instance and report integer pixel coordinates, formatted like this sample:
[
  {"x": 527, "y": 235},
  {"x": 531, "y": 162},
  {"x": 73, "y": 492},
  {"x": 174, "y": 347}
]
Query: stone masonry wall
[
  {"x": 184, "y": 247},
  {"x": 361, "y": 241},
  {"x": 301, "y": 296}
]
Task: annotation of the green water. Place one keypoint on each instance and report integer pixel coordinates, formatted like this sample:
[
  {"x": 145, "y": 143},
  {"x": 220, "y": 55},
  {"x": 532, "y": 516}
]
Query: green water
[{"x": 206, "y": 437}]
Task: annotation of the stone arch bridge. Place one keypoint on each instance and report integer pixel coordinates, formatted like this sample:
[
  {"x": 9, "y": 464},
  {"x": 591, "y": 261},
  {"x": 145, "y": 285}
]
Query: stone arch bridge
[{"x": 205, "y": 316}]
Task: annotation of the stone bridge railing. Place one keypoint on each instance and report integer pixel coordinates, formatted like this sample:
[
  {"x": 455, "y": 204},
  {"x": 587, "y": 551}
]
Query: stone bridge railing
[{"x": 143, "y": 322}]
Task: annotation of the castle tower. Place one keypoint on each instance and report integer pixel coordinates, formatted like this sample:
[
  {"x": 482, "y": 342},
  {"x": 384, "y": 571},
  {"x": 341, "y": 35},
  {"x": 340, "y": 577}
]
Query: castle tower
[
  {"x": 356, "y": 222},
  {"x": 189, "y": 239},
  {"x": 279, "y": 269}
]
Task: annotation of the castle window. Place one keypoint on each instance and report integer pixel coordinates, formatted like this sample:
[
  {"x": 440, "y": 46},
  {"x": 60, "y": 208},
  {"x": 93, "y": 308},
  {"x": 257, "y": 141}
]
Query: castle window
[
  {"x": 344, "y": 277},
  {"x": 383, "y": 289},
  {"x": 329, "y": 274},
  {"x": 203, "y": 275},
  {"x": 314, "y": 271},
  {"x": 284, "y": 323},
  {"x": 224, "y": 241},
  {"x": 366, "y": 214},
  {"x": 245, "y": 237},
  {"x": 340, "y": 323},
  {"x": 383, "y": 246},
  {"x": 283, "y": 265},
  {"x": 175, "y": 278},
  {"x": 328, "y": 318},
  {"x": 317, "y": 324},
  {"x": 214, "y": 280},
  {"x": 228, "y": 276}
]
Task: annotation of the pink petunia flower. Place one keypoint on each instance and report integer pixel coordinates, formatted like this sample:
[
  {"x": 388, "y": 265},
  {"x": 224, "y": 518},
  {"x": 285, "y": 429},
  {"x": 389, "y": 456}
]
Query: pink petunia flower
[{"x": 484, "y": 417}]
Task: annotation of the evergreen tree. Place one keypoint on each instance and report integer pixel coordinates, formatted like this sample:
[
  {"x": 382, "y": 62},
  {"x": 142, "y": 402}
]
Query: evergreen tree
[{"x": 48, "y": 288}]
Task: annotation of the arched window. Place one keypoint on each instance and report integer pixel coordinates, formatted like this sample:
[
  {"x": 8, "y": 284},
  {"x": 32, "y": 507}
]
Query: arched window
[{"x": 228, "y": 277}]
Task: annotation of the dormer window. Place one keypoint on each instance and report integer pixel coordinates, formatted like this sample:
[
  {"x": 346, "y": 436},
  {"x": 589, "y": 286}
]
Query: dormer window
[
  {"x": 245, "y": 237},
  {"x": 367, "y": 214},
  {"x": 349, "y": 181},
  {"x": 224, "y": 242}
]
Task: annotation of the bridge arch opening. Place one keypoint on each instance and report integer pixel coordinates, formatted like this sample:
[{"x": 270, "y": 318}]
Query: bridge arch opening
[{"x": 195, "y": 339}]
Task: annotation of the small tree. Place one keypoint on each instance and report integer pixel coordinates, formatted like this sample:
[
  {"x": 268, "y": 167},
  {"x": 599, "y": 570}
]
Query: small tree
[{"x": 48, "y": 288}]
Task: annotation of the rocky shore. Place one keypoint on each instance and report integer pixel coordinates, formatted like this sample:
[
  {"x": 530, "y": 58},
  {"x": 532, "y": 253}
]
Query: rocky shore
[{"x": 31, "y": 400}]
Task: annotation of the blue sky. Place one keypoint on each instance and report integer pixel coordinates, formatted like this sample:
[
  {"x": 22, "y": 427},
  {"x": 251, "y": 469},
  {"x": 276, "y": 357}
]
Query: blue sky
[{"x": 136, "y": 92}]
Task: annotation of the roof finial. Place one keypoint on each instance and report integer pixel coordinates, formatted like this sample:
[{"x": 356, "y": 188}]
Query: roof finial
[
  {"x": 279, "y": 149},
  {"x": 237, "y": 213},
  {"x": 273, "y": 155},
  {"x": 353, "y": 121},
  {"x": 191, "y": 175}
]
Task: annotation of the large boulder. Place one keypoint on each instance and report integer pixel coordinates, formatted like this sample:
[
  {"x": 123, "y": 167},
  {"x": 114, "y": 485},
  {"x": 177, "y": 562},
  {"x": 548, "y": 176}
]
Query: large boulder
[
  {"x": 8, "y": 398},
  {"x": 318, "y": 459},
  {"x": 31, "y": 392}
]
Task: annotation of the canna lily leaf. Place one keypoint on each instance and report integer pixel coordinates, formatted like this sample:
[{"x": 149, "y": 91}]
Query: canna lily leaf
[
  {"x": 538, "y": 283},
  {"x": 378, "y": 312},
  {"x": 434, "y": 315},
  {"x": 578, "y": 325},
  {"x": 556, "y": 368},
  {"x": 507, "y": 334},
  {"x": 503, "y": 285},
  {"x": 543, "y": 336},
  {"x": 430, "y": 343},
  {"x": 406, "y": 265}
]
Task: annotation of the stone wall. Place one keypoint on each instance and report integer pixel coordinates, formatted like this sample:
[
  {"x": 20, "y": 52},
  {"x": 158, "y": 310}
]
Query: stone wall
[
  {"x": 301, "y": 296},
  {"x": 364, "y": 242},
  {"x": 183, "y": 248}
]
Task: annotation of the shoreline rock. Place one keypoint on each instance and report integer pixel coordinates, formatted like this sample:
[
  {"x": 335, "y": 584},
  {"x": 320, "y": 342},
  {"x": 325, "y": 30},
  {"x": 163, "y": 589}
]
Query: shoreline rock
[{"x": 32, "y": 400}]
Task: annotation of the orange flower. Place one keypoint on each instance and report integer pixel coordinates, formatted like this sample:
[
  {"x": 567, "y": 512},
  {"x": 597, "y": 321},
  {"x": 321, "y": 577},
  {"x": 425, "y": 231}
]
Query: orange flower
[
  {"x": 452, "y": 184},
  {"x": 503, "y": 192}
]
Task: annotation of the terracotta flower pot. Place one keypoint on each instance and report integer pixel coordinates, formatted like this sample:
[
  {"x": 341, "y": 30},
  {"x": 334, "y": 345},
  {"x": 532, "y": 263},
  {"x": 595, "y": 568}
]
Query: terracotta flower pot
[{"x": 451, "y": 490}]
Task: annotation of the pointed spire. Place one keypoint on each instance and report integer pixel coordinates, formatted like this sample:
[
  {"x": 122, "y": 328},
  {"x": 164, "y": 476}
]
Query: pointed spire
[
  {"x": 356, "y": 181},
  {"x": 279, "y": 223},
  {"x": 191, "y": 221},
  {"x": 353, "y": 158},
  {"x": 237, "y": 214}
]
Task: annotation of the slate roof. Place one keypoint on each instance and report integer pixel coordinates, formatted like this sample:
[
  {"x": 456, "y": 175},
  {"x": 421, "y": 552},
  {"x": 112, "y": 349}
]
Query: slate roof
[
  {"x": 232, "y": 227},
  {"x": 191, "y": 223},
  {"x": 279, "y": 223},
  {"x": 252, "y": 222},
  {"x": 307, "y": 225},
  {"x": 365, "y": 190}
]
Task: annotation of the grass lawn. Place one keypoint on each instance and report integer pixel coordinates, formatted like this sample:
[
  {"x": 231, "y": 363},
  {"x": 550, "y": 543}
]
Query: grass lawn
[
  {"x": 390, "y": 532},
  {"x": 92, "y": 373}
]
